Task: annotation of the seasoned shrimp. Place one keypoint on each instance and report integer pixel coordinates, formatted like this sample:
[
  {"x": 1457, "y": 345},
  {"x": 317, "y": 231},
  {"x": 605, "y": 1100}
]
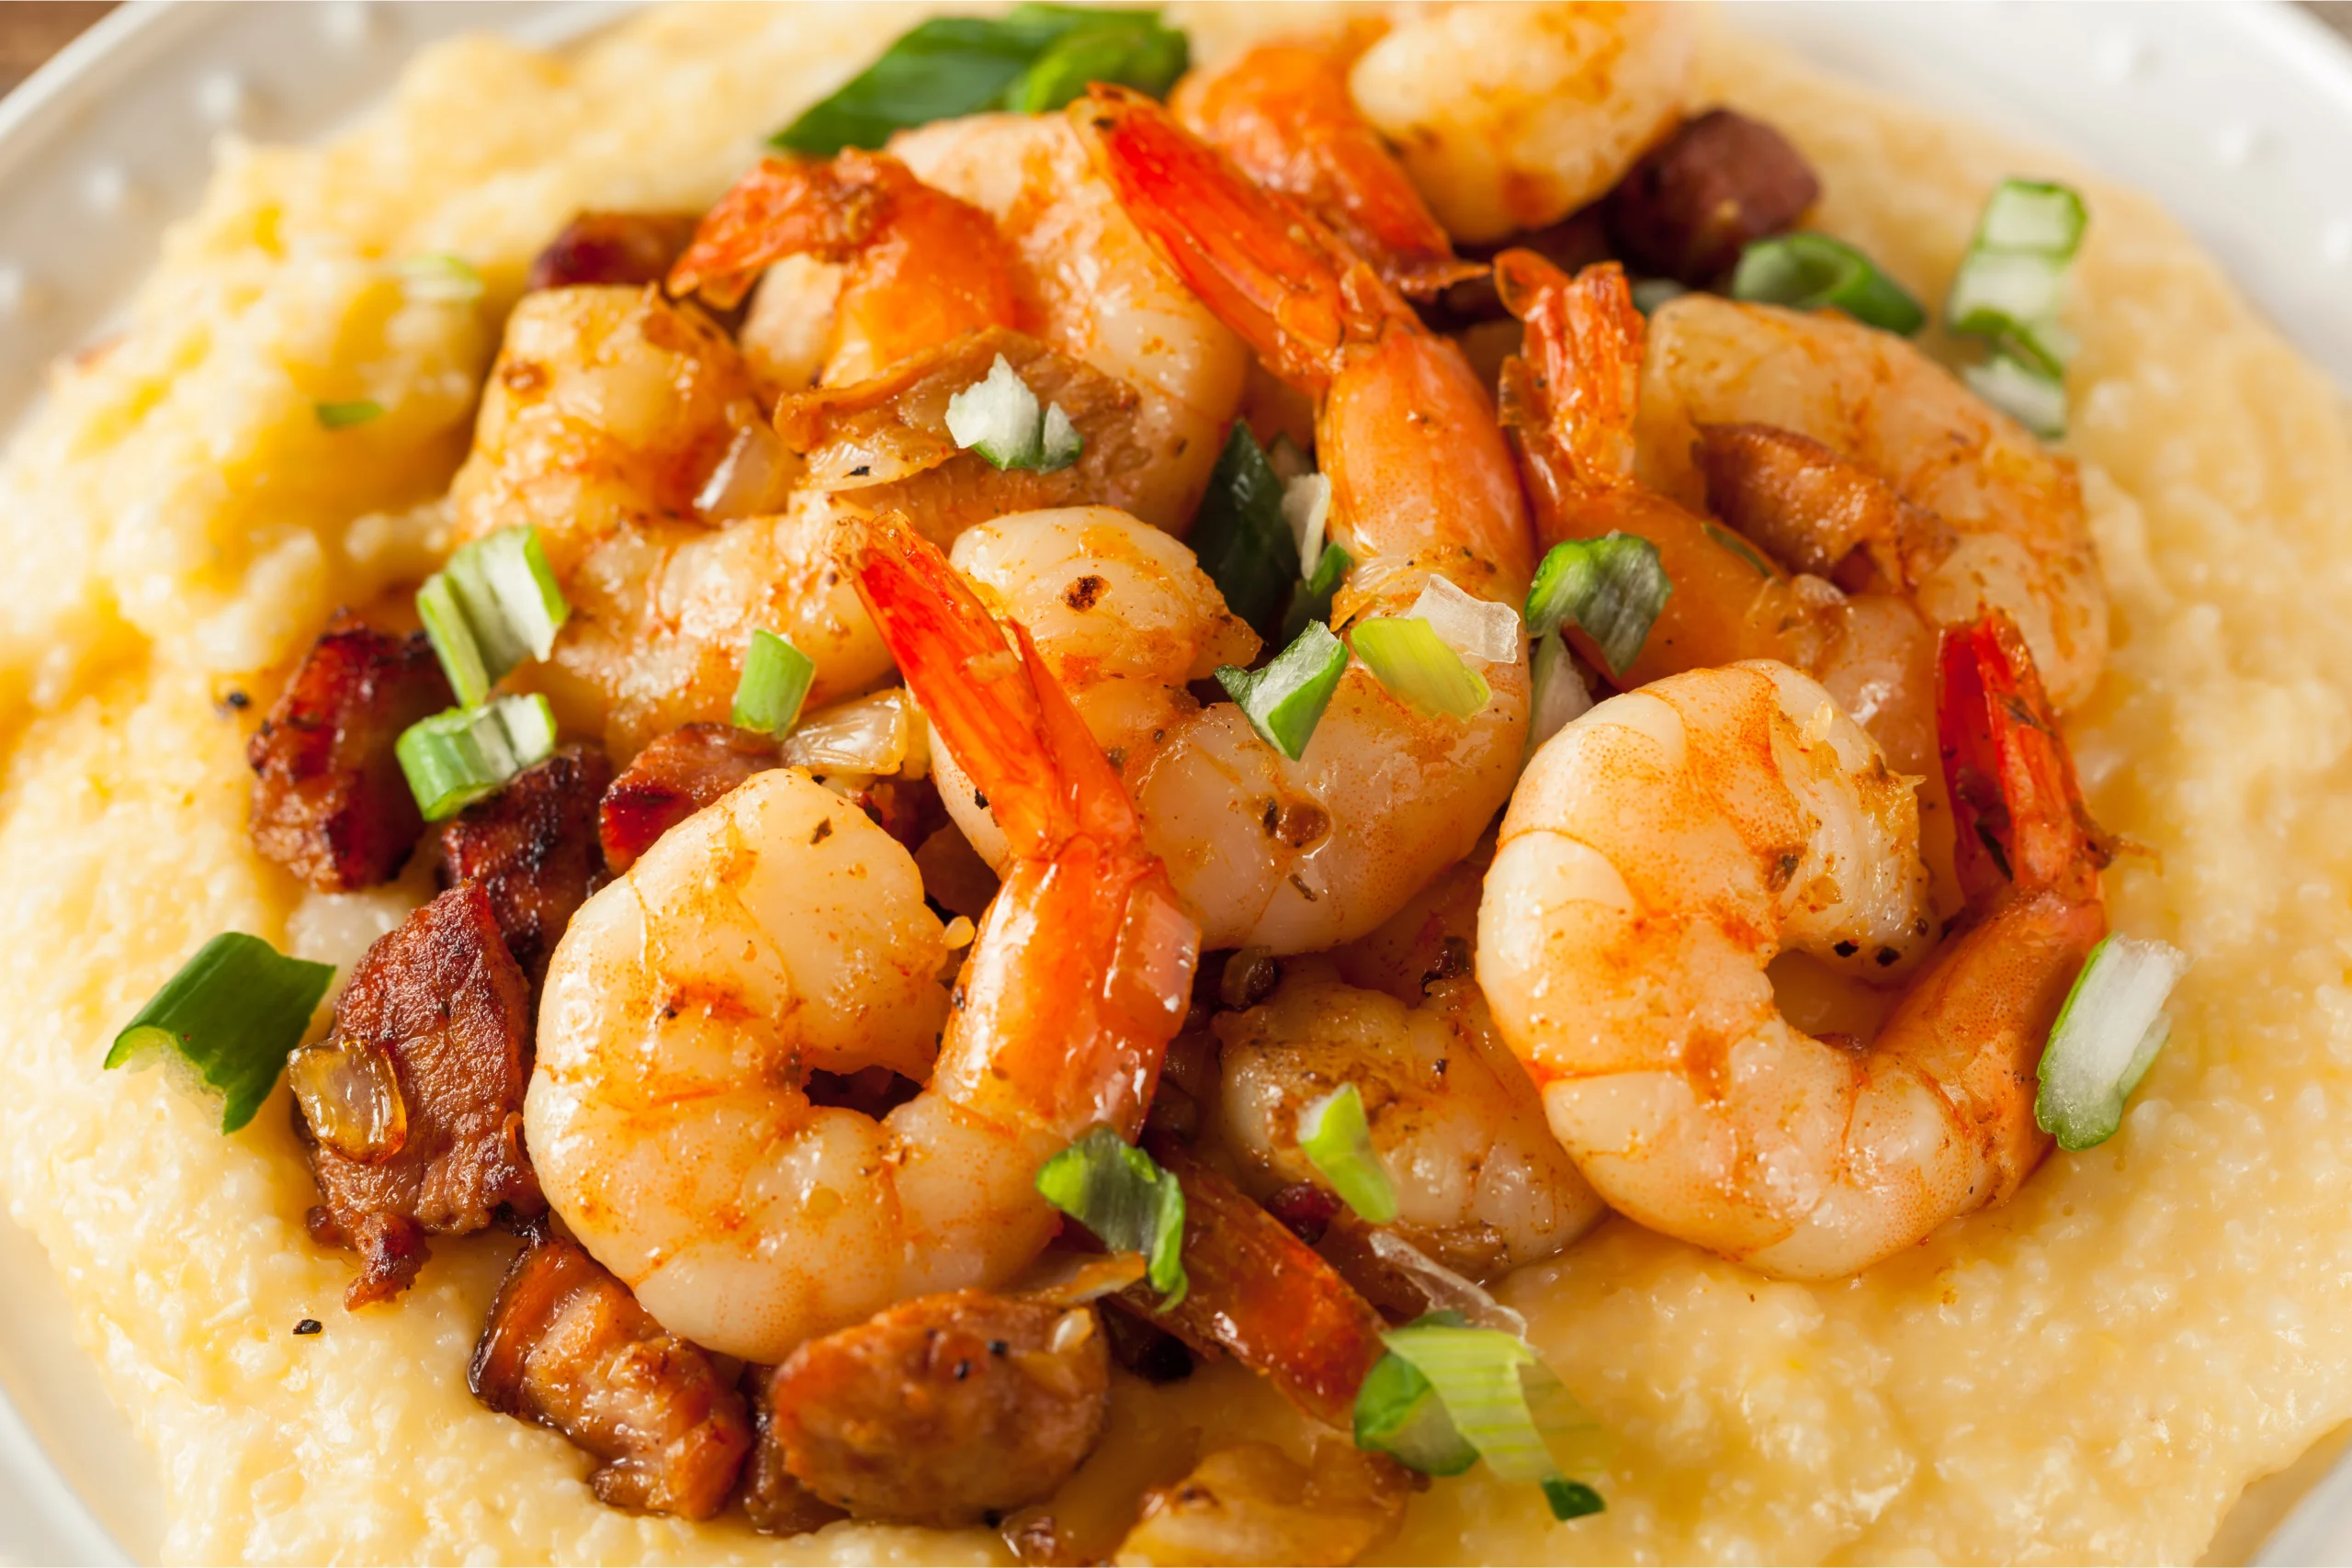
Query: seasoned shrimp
[
  {"x": 1667, "y": 844},
  {"x": 1510, "y": 116},
  {"x": 1481, "y": 1184},
  {"x": 1283, "y": 112},
  {"x": 779, "y": 931}
]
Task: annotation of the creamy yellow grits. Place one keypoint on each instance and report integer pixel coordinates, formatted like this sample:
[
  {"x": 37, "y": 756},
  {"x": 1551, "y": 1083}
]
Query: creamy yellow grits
[{"x": 2093, "y": 1372}]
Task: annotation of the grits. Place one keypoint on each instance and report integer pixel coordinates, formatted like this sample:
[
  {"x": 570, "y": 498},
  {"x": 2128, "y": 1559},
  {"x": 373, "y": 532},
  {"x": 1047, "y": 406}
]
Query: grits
[{"x": 2093, "y": 1372}]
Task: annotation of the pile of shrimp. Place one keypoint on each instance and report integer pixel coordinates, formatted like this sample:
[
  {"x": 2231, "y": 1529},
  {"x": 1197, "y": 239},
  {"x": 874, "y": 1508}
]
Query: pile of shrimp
[{"x": 1758, "y": 952}]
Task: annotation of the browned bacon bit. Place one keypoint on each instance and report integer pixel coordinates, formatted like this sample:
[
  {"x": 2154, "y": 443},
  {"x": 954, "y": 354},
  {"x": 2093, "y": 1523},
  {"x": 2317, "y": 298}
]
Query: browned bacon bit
[
  {"x": 1261, "y": 1294},
  {"x": 1304, "y": 1210},
  {"x": 1691, "y": 205},
  {"x": 1812, "y": 510},
  {"x": 1144, "y": 1348},
  {"x": 907, "y": 809},
  {"x": 945, "y": 1409},
  {"x": 771, "y": 1499},
  {"x": 568, "y": 1347},
  {"x": 330, "y": 804},
  {"x": 1572, "y": 244},
  {"x": 671, "y": 780},
  {"x": 533, "y": 847},
  {"x": 444, "y": 1002},
  {"x": 612, "y": 247}
]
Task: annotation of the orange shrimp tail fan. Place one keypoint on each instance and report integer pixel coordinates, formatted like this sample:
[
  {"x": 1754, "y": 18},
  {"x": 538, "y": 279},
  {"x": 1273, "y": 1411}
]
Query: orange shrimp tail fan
[
  {"x": 2019, "y": 811},
  {"x": 786, "y": 207},
  {"x": 1570, "y": 398}
]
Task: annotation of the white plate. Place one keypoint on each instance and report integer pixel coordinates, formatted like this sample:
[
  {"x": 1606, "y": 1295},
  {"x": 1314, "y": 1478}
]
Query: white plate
[{"x": 2239, "y": 118}]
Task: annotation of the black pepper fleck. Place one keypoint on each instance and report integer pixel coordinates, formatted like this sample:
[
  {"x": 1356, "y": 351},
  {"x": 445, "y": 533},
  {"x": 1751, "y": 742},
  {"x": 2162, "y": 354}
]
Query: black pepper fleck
[
  {"x": 1847, "y": 949},
  {"x": 824, "y": 830},
  {"x": 310, "y": 1325}
]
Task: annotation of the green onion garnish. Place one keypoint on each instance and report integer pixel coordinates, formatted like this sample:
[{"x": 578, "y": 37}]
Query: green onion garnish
[
  {"x": 344, "y": 415},
  {"x": 2106, "y": 1038},
  {"x": 1808, "y": 271},
  {"x": 1120, "y": 1193},
  {"x": 1284, "y": 701},
  {"x": 441, "y": 279},
  {"x": 2009, "y": 290},
  {"x": 775, "y": 681},
  {"x": 1306, "y": 507},
  {"x": 457, "y": 757},
  {"x": 1611, "y": 588},
  {"x": 232, "y": 1015},
  {"x": 1337, "y": 1140},
  {"x": 999, "y": 418},
  {"x": 1406, "y": 655},
  {"x": 1033, "y": 59},
  {"x": 1649, "y": 293},
  {"x": 1311, "y": 601},
  {"x": 1398, "y": 1413},
  {"x": 495, "y": 604},
  {"x": 1558, "y": 695},
  {"x": 1239, "y": 535},
  {"x": 2025, "y": 394}
]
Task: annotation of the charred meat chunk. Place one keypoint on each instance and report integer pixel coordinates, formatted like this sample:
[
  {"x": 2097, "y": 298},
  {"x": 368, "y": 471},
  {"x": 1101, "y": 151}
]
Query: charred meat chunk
[
  {"x": 533, "y": 847},
  {"x": 330, "y": 802},
  {"x": 631, "y": 248},
  {"x": 568, "y": 1346},
  {"x": 673, "y": 779},
  {"x": 771, "y": 1499},
  {"x": 412, "y": 1108},
  {"x": 943, "y": 1410},
  {"x": 1687, "y": 210}
]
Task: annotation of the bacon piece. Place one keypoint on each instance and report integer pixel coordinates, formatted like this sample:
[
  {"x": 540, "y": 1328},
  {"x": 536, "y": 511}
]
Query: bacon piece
[
  {"x": 443, "y": 999},
  {"x": 567, "y": 1345},
  {"x": 330, "y": 802},
  {"x": 1687, "y": 210},
  {"x": 612, "y": 247},
  {"x": 533, "y": 847},
  {"x": 945, "y": 1409},
  {"x": 771, "y": 1499},
  {"x": 673, "y": 779},
  {"x": 1812, "y": 510}
]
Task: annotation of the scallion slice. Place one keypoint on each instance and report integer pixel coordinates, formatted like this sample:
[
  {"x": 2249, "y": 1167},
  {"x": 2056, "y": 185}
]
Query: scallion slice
[
  {"x": 2024, "y": 392},
  {"x": 232, "y": 1016},
  {"x": 1284, "y": 701},
  {"x": 1398, "y": 1413},
  {"x": 344, "y": 414},
  {"x": 494, "y": 604},
  {"x": 1239, "y": 535},
  {"x": 456, "y": 758},
  {"x": 1559, "y": 692},
  {"x": 775, "y": 681},
  {"x": 1306, "y": 507},
  {"x": 1806, "y": 271},
  {"x": 1311, "y": 600},
  {"x": 2106, "y": 1038},
  {"x": 1611, "y": 588},
  {"x": 2009, "y": 291},
  {"x": 999, "y": 418},
  {"x": 1120, "y": 1193},
  {"x": 1406, "y": 655},
  {"x": 440, "y": 278},
  {"x": 1337, "y": 1140}
]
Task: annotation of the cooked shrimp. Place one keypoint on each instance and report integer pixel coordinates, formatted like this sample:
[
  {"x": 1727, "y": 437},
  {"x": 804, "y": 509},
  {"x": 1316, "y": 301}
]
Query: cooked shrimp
[
  {"x": 1510, "y": 117},
  {"x": 1481, "y": 1184},
  {"x": 1283, "y": 112},
  {"x": 2009, "y": 528},
  {"x": 779, "y": 931},
  {"x": 1667, "y": 844}
]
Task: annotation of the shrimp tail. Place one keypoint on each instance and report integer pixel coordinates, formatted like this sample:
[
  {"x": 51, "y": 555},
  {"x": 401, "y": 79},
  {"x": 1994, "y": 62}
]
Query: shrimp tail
[
  {"x": 1569, "y": 399},
  {"x": 2021, "y": 824},
  {"x": 786, "y": 207}
]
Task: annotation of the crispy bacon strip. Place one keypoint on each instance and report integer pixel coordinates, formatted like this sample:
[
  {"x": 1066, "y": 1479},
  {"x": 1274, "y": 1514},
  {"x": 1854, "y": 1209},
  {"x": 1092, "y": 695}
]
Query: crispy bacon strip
[
  {"x": 568, "y": 1346},
  {"x": 1810, "y": 509},
  {"x": 673, "y": 779},
  {"x": 533, "y": 847},
  {"x": 442, "y": 999},
  {"x": 328, "y": 803},
  {"x": 632, "y": 248}
]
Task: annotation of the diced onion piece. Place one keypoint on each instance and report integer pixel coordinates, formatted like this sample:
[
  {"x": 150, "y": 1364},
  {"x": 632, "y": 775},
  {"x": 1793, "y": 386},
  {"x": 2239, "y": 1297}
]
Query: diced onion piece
[
  {"x": 1560, "y": 695},
  {"x": 868, "y": 734},
  {"x": 999, "y": 418},
  {"x": 228, "y": 1018},
  {"x": 1808, "y": 271},
  {"x": 456, "y": 758},
  {"x": 1239, "y": 535},
  {"x": 2034, "y": 400},
  {"x": 1059, "y": 443},
  {"x": 1406, "y": 655},
  {"x": 1611, "y": 588},
  {"x": 350, "y": 1096},
  {"x": 1337, "y": 1140},
  {"x": 2106, "y": 1037},
  {"x": 1120, "y": 1193},
  {"x": 344, "y": 414},
  {"x": 1284, "y": 701},
  {"x": 775, "y": 682},
  {"x": 1306, "y": 507},
  {"x": 1287, "y": 458},
  {"x": 751, "y": 480},
  {"x": 440, "y": 279},
  {"x": 1474, "y": 628}
]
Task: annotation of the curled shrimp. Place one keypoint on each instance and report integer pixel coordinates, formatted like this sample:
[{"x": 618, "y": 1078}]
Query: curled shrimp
[
  {"x": 1670, "y": 842},
  {"x": 1283, "y": 112},
  {"x": 779, "y": 931}
]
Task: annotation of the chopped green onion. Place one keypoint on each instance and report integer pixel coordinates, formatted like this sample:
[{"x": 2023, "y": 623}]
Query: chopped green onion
[
  {"x": 2106, "y": 1038},
  {"x": 775, "y": 682},
  {"x": 1284, "y": 701},
  {"x": 1723, "y": 538},
  {"x": 1033, "y": 59},
  {"x": 999, "y": 418},
  {"x": 1306, "y": 507},
  {"x": 1808, "y": 271},
  {"x": 1406, "y": 655},
  {"x": 344, "y": 415},
  {"x": 440, "y": 279},
  {"x": 2009, "y": 290},
  {"x": 458, "y": 757},
  {"x": 1611, "y": 588},
  {"x": 1337, "y": 1140},
  {"x": 1649, "y": 293},
  {"x": 1120, "y": 1193},
  {"x": 1311, "y": 601},
  {"x": 1398, "y": 1413},
  {"x": 1571, "y": 1499},
  {"x": 231, "y": 1015},
  {"x": 493, "y": 605},
  {"x": 1240, "y": 537},
  {"x": 2025, "y": 393},
  {"x": 1559, "y": 694}
]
